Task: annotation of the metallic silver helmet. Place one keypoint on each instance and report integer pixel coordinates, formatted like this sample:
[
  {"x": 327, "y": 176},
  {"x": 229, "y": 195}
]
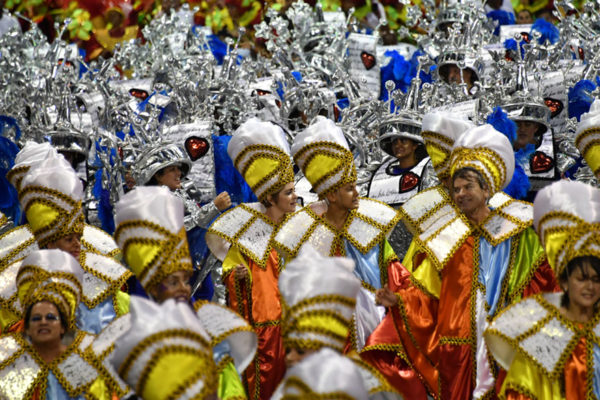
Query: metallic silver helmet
[{"x": 157, "y": 157}]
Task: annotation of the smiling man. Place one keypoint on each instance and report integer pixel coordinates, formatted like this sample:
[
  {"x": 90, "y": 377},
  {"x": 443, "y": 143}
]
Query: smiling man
[{"x": 486, "y": 256}]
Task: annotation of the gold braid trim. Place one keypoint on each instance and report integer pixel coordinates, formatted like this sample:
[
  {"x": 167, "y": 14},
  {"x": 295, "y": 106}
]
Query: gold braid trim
[
  {"x": 473, "y": 308},
  {"x": 113, "y": 285},
  {"x": 42, "y": 283},
  {"x": 465, "y": 157},
  {"x": 15, "y": 177},
  {"x": 455, "y": 341},
  {"x": 284, "y": 173},
  {"x": 208, "y": 375},
  {"x": 307, "y": 393},
  {"x": 521, "y": 225},
  {"x": 138, "y": 349},
  {"x": 333, "y": 150},
  {"x": 584, "y": 134},
  {"x": 235, "y": 239},
  {"x": 65, "y": 224},
  {"x": 172, "y": 258},
  {"x": 8, "y": 258}
]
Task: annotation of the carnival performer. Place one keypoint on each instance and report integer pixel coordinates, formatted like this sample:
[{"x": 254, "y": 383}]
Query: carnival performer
[
  {"x": 345, "y": 225},
  {"x": 587, "y": 138},
  {"x": 406, "y": 172},
  {"x": 167, "y": 164},
  {"x": 48, "y": 360},
  {"x": 481, "y": 245},
  {"x": 242, "y": 238},
  {"x": 318, "y": 313},
  {"x": 151, "y": 234},
  {"x": 548, "y": 343},
  {"x": 50, "y": 195},
  {"x": 162, "y": 351}
]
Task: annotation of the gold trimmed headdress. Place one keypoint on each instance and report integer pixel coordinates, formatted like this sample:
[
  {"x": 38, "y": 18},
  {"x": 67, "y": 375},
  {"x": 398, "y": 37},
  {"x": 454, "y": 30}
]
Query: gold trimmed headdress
[
  {"x": 587, "y": 138},
  {"x": 50, "y": 275},
  {"x": 50, "y": 196},
  {"x": 318, "y": 312},
  {"x": 165, "y": 353},
  {"x": 261, "y": 153},
  {"x": 322, "y": 153},
  {"x": 440, "y": 131},
  {"x": 324, "y": 375},
  {"x": 151, "y": 234},
  {"x": 489, "y": 152},
  {"x": 29, "y": 157},
  {"x": 566, "y": 216}
]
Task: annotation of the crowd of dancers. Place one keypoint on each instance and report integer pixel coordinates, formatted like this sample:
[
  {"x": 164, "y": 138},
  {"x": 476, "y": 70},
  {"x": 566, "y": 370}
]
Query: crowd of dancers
[{"x": 320, "y": 213}]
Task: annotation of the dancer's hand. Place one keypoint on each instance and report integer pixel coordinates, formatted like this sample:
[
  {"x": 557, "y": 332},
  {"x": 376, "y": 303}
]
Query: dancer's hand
[{"x": 385, "y": 297}]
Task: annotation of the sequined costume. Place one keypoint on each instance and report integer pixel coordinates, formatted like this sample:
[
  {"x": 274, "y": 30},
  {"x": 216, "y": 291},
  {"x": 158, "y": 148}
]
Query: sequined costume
[
  {"x": 50, "y": 194},
  {"x": 545, "y": 354},
  {"x": 151, "y": 233},
  {"x": 322, "y": 153},
  {"x": 54, "y": 276},
  {"x": 463, "y": 274},
  {"x": 243, "y": 237}
]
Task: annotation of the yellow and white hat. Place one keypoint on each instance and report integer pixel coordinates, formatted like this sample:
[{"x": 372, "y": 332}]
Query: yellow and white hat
[
  {"x": 489, "y": 152},
  {"x": 29, "y": 157},
  {"x": 50, "y": 275},
  {"x": 322, "y": 153},
  {"x": 165, "y": 352},
  {"x": 151, "y": 234},
  {"x": 440, "y": 130},
  {"x": 566, "y": 216},
  {"x": 587, "y": 137},
  {"x": 324, "y": 375},
  {"x": 318, "y": 312},
  {"x": 51, "y": 196},
  {"x": 261, "y": 153}
]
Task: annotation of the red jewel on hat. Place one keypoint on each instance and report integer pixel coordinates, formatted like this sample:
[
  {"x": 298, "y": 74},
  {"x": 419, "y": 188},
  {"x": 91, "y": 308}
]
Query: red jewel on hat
[
  {"x": 139, "y": 94},
  {"x": 196, "y": 147},
  {"x": 408, "y": 182},
  {"x": 555, "y": 106},
  {"x": 540, "y": 162},
  {"x": 368, "y": 60}
]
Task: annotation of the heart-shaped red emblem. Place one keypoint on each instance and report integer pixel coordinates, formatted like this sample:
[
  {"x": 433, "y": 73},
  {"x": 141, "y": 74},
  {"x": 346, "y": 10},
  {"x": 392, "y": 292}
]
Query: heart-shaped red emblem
[
  {"x": 555, "y": 106},
  {"x": 196, "y": 147},
  {"x": 368, "y": 60},
  {"x": 139, "y": 94},
  {"x": 408, "y": 182},
  {"x": 540, "y": 162}
]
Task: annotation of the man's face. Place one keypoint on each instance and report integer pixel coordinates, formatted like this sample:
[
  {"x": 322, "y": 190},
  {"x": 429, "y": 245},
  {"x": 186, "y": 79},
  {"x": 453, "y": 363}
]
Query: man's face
[
  {"x": 174, "y": 286},
  {"x": 468, "y": 195},
  {"x": 70, "y": 243},
  {"x": 346, "y": 196},
  {"x": 526, "y": 131},
  {"x": 171, "y": 177}
]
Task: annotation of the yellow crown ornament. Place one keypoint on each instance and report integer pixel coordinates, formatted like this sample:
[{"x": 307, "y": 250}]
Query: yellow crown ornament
[
  {"x": 322, "y": 153},
  {"x": 318, "y": 312},
  {"x": 163, "y": 351},
  {"x": 587, "y": 137},
  {"x": 51, "y": 196},
  {"x": 151, "y": 234},
  {"x": 50, "y": 275},
  {"x": 566, "y": 216},
  {"x": 440, "y": 131},
  {"x": 488, "y": 151},
  {"x": 261, "y": 153}
]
